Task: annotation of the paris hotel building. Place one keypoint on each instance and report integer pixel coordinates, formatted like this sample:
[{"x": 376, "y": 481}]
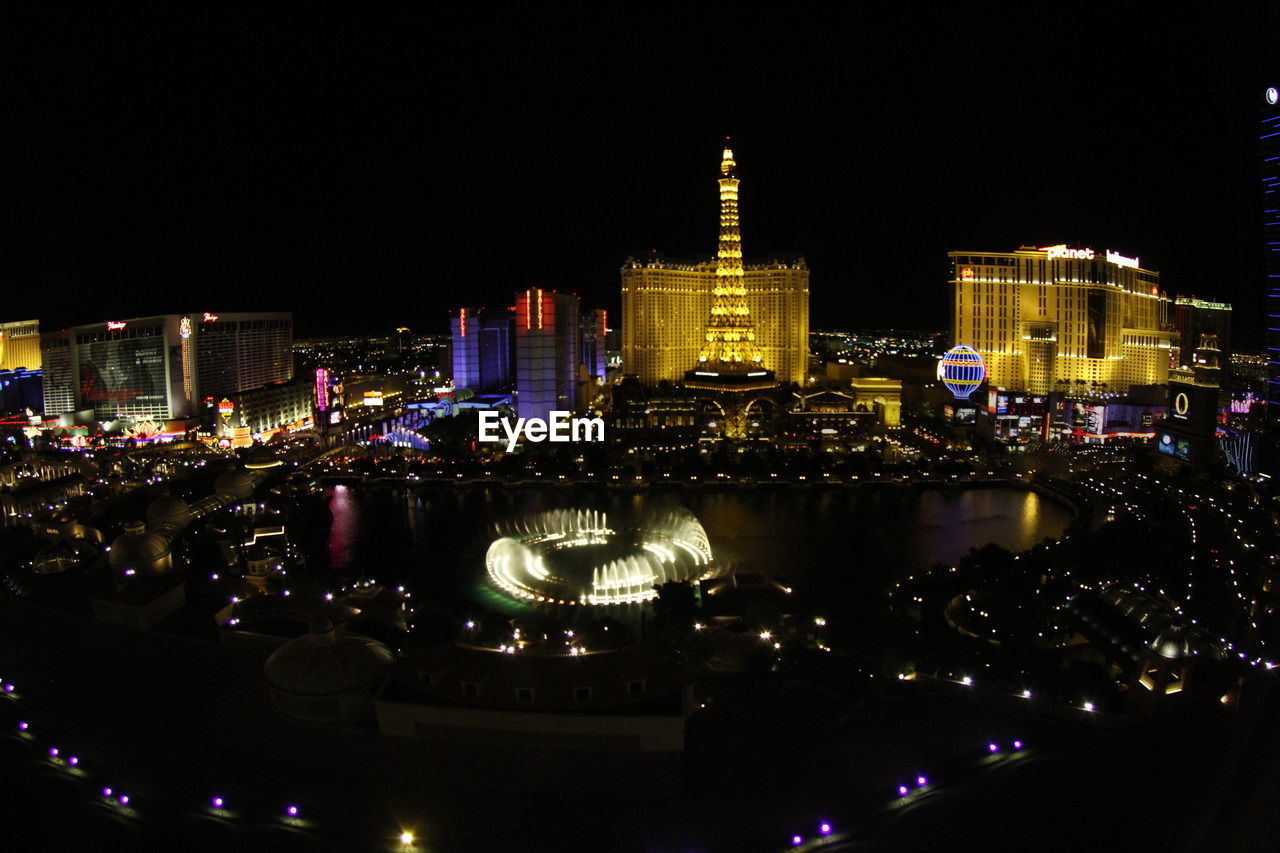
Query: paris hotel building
[
  {"x": 1061, "y": 319},
  {"x": 666, "y": 303}
]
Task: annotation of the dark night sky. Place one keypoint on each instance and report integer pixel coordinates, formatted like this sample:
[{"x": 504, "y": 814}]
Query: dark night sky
[{"x": 372, "y": 172}]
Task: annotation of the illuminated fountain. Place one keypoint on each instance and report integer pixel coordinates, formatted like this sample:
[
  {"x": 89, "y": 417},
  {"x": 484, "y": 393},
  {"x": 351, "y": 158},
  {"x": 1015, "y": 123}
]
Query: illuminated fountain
[{"x": 566, "y": 556}]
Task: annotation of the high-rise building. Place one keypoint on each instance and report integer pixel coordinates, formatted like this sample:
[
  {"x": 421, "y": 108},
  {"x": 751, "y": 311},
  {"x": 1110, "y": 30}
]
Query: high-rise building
[
  {"x": 1269, "y": 155},
  {"x": 238, "y": 352},
  {"x": 163, "y": 367},
  {"x": 20, "y": 345},
  {"x": 1061, "y": 319},
  {"x": 481, "y": 348},
  {"x": 666, "y": 305},
  {"x": 1195, "y": 317},
  {"x": 548, "y": 342}
]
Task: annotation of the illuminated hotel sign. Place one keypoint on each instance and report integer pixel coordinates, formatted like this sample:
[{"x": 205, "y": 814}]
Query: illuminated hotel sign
[
  {"x": 209, "y": 318},
  {"x": 226, "y": 408},
  {"x": 1061, "y": 251},
  {"x": 1181, "y": 404},
  {"x": 184, "y": 328},
  {"x": 1120, "y": 260},
  {"x": 116, "y": 326},
  {"x": 322, "y": 389}
]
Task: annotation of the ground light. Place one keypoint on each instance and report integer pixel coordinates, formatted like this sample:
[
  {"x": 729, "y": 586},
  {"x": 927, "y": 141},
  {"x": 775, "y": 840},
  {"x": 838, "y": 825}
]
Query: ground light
[
  {"x": 921, "y": 781},
  {"x": 1017, "y": 744},
  {"x": 993, "y": 747},
  {"x": 824, "y": 828},
  {"x": 796, "y": 841}
]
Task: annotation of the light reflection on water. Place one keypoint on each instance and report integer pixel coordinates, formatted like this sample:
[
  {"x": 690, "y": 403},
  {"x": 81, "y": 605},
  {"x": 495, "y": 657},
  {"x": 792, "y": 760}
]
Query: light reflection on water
[{"x": 828, "y": 542}]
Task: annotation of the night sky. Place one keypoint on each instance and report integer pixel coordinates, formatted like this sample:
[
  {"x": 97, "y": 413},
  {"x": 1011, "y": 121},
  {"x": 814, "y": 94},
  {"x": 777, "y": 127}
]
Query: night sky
[{"x": 372, "y": 172}]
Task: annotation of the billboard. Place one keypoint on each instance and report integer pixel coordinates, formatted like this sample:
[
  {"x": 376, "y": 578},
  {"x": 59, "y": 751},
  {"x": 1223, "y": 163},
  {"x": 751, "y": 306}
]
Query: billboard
[{"x": 124, "y": 375}]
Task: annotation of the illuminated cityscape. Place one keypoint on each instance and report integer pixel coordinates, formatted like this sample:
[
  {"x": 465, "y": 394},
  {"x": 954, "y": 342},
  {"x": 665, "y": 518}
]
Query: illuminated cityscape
[{"x": 478, "y": 523}]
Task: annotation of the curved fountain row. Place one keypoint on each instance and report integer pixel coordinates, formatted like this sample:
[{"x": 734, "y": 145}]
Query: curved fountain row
[{"x": 522, "y": 560}]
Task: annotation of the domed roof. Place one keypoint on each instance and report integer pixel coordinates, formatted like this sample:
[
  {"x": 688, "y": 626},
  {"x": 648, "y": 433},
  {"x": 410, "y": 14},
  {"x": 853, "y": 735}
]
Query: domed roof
[
  {"x": 325, "y": 661},
  {"x": 167, "y": 509},
  {"x": 58, "y": 557},
  {"x": 260, "y": 457},
  {"x": 139, "y": 550},
  {"x": 235, "y": 484},
  {"x": 1172, "y": 643}
]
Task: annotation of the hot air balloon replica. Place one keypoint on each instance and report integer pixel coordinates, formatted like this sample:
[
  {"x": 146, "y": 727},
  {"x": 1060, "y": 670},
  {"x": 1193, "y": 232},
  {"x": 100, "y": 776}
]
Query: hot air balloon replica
[{"x": 962, "y": 371}]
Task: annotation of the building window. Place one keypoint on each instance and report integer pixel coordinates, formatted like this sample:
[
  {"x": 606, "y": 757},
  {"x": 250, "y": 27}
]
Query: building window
[
  {"x": 470, "y": 689},
  {"x": 583, "y": 694},
  {"x": 524, "y": 694},
  {"x": 635, "y": 687}
]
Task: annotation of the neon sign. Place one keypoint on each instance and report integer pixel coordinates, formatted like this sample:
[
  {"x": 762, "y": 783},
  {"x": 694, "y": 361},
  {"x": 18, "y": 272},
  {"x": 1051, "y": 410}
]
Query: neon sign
[
  {"x": 226, "y": 407},
  {"x": 115, "y": 325},
  {"x": 322, "y": 389},
  {"x": 966, "y": 273},
  {"x": 1120, "y": 260},
  {"x": 184, "y": 328},
  {"x": 210, "y": 318},
  {"x": 1181, "y": 404},
  {"x": 1061, "y": 251}
]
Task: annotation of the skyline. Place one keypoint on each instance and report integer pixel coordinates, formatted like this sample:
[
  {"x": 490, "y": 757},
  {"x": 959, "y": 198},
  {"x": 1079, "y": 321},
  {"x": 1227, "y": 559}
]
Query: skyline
[{"x": 543, "y": 151}]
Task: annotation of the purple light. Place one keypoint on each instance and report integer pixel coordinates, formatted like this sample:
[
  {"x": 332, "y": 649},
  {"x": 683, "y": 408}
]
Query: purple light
[
  {"x": 292, "y": 811},
  {"x": 796, "y": 841},
  {"x": 124, "y": 799},
  {"x": 8, "y": 688},
  {"x": 902, "y": 790},
  {"x": 53, "y": 752},
  {"x": 991, "y": 747},
  {"x": 73, "y": 761},
  {"x": 825, "y": 828},
  {"x": 1017, "y": 744},
  {"x": 24, "y": 725},
  {"x": 217, "y": 802},
  {"x": 921, "y": 781},
  {"x": 106, "y": 792}
]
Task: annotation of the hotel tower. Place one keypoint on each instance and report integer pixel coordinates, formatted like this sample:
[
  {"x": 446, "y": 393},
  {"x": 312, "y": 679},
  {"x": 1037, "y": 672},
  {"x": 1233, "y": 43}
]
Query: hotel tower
[
  {"x": 680, "y": 314},
  {"x": 1061, "y": 319}
]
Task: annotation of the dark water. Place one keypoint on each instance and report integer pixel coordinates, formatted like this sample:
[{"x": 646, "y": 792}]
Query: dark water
[{"x": 832, "y": 543}]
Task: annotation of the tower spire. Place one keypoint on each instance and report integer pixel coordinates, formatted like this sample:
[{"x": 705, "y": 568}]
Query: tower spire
[{"x": 730, "y": 334}]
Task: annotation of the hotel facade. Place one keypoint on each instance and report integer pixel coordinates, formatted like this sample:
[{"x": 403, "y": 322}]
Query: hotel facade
[
  {"x": 666, "y": 305},
  {"x": 1061, "y": 319}
]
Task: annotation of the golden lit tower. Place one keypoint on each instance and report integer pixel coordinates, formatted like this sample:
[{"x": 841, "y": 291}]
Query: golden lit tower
[{"x": 729, "y": 358}]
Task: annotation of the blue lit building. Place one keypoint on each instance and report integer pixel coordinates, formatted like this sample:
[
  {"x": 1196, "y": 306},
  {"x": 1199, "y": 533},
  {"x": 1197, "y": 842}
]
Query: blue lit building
[
  {"x": 21, "y": 389},
  {"x": 482, "y": 344}
]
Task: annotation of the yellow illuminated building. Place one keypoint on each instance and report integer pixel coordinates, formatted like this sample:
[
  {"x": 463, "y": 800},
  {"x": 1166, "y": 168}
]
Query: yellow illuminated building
[
  {"x": 677, "y": 315},
  {"x": 1061, "y": 319},
  {"x": 20, "y": 345}
]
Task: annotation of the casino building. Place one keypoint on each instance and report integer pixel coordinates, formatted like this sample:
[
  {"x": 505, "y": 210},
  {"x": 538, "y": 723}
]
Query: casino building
[
  {"x": 163, "y": 367},
  {"x": 1059, "y": 319},
  {"x": 666, "y": 304}
]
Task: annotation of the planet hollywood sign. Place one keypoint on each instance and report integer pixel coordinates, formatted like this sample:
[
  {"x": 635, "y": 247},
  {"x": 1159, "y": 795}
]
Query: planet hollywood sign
[{"x": 1061, "y": 251}]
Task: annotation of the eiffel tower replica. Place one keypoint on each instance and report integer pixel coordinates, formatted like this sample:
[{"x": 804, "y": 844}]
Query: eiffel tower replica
[{"x": 730, "y": 366}]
